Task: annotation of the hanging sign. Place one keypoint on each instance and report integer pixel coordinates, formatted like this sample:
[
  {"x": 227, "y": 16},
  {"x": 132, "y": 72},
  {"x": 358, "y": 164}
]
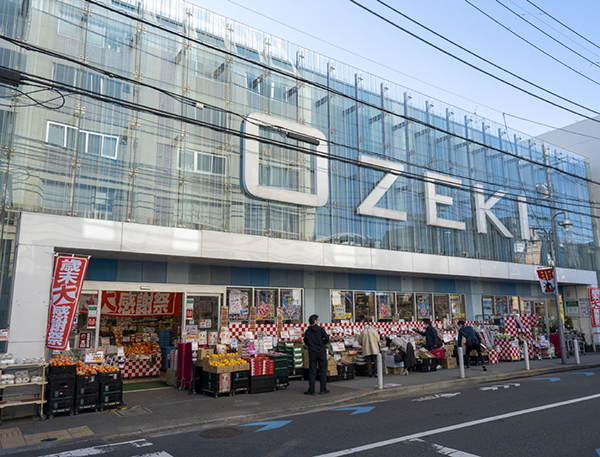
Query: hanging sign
[
  {"x": 69, "y": 273},
  {"x": 85, "y": 340},
  {"x": 92, "y": 316},
  {"x": 595, "y": 305},
  {"x": 546, "y": 277},
  {"x": 122, "y": 303},
  {"x": 189, "y": 308},
  {"x": 4, "y": 334}
]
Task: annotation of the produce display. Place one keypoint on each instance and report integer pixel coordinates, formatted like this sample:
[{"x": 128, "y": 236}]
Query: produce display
[
  {"x": 61, "y": 360},
  {"x": 141, "y": 348},
  {"x": 223, "y": 360}
]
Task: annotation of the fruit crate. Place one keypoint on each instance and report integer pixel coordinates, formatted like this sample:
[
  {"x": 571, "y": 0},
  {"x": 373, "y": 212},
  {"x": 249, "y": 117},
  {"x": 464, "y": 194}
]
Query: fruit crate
[
  {"x": 62, "y": 405},
  {"x": 86, "y": 402},
  {"x": 86, "y": 379},
  {"x": 281, "y": 382},
  {"x": 110, "y": 399},
  {"x": 105, "y": 377},
  {"x": 63, "y": 370},
  {"x": 87, "y": 389},
  {"x": 216, "y": 383},
  {"x": 59, "y": 394},
  {"x": 111, "y": 386},
  {"x": 261, "y": 384},
  {"x": 61, "y": 382}
]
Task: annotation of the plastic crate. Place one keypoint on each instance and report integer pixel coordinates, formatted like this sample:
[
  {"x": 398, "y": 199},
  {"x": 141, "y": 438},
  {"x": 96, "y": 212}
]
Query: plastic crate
[
  {"x": 104, "y": 377},
  {"x": 85, "y": 379},
  {"x": 65, "y": 405},
  {"x": 216, "y": 383},
  {"x": 63, "y": 382},
  {"x": 281, "y": 382},
  {"x": 57, "y": 394},
  {"x": 345, "y": 376},
  {"x": 111, "y": 386},
  {"x": 111, "y": 399},
  {"x": 88, "y": 389},
  {"x": 85, "y": 402},
  {"x": 65, "y": 370},
  {"x": 260, "y": 384}
]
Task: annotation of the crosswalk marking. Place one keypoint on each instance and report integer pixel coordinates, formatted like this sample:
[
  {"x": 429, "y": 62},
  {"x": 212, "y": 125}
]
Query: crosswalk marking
[{"x": 105, "y": 449}]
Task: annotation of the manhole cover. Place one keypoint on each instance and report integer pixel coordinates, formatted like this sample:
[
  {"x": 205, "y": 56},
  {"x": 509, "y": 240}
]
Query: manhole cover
[{"x": 221, "y": 433}]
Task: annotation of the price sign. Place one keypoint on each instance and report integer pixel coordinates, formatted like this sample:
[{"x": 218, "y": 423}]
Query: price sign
[{"x": 94, "y": 356}]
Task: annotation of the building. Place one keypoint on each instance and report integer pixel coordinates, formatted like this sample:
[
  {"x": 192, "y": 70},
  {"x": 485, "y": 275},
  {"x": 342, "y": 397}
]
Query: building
[{"x": 221, "y": 169}]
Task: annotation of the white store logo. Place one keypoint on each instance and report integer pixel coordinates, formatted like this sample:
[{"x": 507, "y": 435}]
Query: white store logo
[{"x": 250, "y": 179}]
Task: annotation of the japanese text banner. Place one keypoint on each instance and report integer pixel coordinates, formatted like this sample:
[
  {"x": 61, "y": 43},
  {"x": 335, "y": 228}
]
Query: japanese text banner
[
  {"x": 595, "y": 305},
  {"x": 547, "y": 281},
  {"x": 122, "y": 303},
  {"x": 69, "y": 273}
]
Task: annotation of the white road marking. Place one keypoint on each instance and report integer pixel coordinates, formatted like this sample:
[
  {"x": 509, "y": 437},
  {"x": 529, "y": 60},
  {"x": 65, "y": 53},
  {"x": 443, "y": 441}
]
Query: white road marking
[
  {"x": 433, "y": 397},
  {"x": 505, "y": 386},
  {"x": 450, "y": 428},
  {"x": 97, "y": 450},
  {"x": 448, "y": 451}
]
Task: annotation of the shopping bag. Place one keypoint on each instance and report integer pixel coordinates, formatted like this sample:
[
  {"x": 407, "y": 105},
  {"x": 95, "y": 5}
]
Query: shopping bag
[{"x": 440, "y": 353}]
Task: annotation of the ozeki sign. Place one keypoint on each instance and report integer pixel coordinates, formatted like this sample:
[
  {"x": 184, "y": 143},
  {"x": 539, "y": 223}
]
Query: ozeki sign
[
  {"x": 69, "y": 273},
  {"x": 595, "y": 305}
]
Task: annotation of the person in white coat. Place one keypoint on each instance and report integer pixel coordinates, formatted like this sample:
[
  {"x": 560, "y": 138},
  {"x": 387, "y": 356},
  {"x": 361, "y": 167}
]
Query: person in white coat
[{"x": 369, "y": 340}]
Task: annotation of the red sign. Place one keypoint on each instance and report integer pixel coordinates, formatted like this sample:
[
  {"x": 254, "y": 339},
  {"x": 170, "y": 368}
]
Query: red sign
[
  {"x": 69, "y": 273},
  {"x": 91, "y": 322},
  {"x": 595, "y": 305},
  {"x": 546, "y": 278},
  {"x": 189, "y": 313},
  {"x": 121, "y": 303}
]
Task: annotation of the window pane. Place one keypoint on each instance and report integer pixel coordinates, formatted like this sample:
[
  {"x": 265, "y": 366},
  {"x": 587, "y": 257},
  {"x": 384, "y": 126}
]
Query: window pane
[
  {"x": 94, "y": 145},
  {"x": 218, "y": 165},
  {"x": 56, "y": 135},
  {"x": 204, "y": 163},
  {"x": 109, "y": 149},
  {"x": 186, "y": 160}
]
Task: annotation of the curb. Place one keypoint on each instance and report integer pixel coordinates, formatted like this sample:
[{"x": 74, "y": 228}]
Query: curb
[{"x": 362, "y": 397}]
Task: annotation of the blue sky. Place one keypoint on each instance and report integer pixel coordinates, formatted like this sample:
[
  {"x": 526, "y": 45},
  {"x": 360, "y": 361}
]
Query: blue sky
[{"x": 334, "y": 27}]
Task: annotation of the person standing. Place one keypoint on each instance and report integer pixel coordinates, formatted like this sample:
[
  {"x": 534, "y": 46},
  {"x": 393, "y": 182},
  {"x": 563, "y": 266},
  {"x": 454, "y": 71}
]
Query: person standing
[
  {"x": 432, "y": 340},
  {"x": 369, "y": 340},
  {"x": 472, "y": 340},
  {"x": 315, "y": 338}
]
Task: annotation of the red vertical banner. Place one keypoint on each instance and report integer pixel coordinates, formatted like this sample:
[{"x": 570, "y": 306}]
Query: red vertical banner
[
  {"x": 595, "y": 305},
  {"x": 67, "y": 282}
]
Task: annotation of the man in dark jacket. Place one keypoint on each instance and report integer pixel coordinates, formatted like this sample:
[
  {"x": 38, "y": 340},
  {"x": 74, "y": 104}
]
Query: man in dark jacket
[
  {"x": 473, "y": 342},
  {"x": 316, "y": 338},
  {"x": 430, "y": 334}
]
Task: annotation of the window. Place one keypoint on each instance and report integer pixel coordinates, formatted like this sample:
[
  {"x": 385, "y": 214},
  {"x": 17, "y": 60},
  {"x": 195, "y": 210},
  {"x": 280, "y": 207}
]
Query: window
[
  {"x": 238, "y": 302},
  {"x": 405, "y": 305},
  {"x": 202, "y": 162},
  {"x": 266, "y": 302},
  {"x": 291, "y": 305},
  {"x": 342, "y": 306},
  {"x": 90, "y": 142},
  {"x": 385, "y": 306}
]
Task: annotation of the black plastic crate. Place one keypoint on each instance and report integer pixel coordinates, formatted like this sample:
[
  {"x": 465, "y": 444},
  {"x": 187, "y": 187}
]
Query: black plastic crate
[
  {"x": 345, "y": 368},
  {"x": 424, "y": 368},
  {"x": 85, "y": 402},
  {"x": 88, "y": 389},
  {"x": 62, "y": 382},
  {"x": 280, "y": 361},
  {"x": 429, "y": 361},
  {"x": 295, "y": 372},
  {"x": 111, "y": 399},
  {"x": 211, "y": 384},
  {"x": 111, "y": 386},
  {"x": 240, "y": 375},
  {"x": 105, "y": 377},
  {"x": 361, "y": 370},
  {"x": 261, "y": 389},
  {"x": 260, "y": 381},
  {"x": 64, "y": 370},
  {"x": 85, "y": 379},
  {"x": 57, "y": 394},
  {"x": 64, "y": 405},
  {"x": 282, "y": 381}
]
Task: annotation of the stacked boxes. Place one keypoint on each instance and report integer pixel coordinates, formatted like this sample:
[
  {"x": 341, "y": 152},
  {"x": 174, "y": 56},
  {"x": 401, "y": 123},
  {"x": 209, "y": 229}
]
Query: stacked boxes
[
  {"x": 111, "y": 389},
  {"x": 240, "y": 382},
  {"x": 295, "y": 357},
  {"x": 86, "y": 392},
  {"x": 60, "y": 390},
  {"x": 262, "y": 374},
  {"x": 280, "y": 370},
  {"x": 216, "y": 383}
]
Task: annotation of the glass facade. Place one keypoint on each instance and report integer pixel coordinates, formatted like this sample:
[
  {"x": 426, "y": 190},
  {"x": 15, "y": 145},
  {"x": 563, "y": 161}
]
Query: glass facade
[{"x": 148, "y": 123}]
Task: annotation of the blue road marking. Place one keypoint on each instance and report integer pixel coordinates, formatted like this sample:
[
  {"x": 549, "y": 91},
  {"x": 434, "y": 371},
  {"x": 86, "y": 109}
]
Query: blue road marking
[
  {"x": 587, "y": 373},
  {"x": 547, "y": 379},
  {"x": 267, "y": 425},
  {"x": 598, "y": 451},
  {"x": 358, "y": 410}
]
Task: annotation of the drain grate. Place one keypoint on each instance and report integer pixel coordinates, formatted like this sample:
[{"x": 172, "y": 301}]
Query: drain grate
[
  {"x": 139, "y": 411},
  {"x": 221, "y": 433},
  {"x": 47, "y": 440}
]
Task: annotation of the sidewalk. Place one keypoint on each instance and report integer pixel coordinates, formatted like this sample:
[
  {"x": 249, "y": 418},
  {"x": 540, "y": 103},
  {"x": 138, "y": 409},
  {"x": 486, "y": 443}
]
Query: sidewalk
[{"x": 165, "y": 409}]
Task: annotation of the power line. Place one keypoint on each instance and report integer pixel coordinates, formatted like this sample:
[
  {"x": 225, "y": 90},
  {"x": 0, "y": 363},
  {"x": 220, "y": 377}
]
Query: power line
[
  {"x": 514, "y": 86},
  {"x": 548, "y": 35},
  {"x": 533, "y": 45},
  {"x": 564, "y": 25}
]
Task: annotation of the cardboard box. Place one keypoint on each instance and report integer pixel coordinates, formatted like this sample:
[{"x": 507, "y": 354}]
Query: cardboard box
[
  {"x": 240, "y": 367},
  {"x": 171, "y": 376},
  {"x": 395, "y": 370},
  {"x": 424, "y": 354},
  {"x": 449, "y": 362}
]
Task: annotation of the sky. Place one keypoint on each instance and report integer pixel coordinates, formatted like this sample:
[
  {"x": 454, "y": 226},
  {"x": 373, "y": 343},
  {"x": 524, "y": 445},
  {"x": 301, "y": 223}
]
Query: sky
[{"x": 348, "y": 33}]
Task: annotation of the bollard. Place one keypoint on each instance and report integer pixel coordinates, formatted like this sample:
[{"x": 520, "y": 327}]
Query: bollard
[
  {"x": 461, "y": 362},
  {"x": 576, "y": 343},
  {"x": 526, "y": 350},
  {"x": 379, "y": 372}
]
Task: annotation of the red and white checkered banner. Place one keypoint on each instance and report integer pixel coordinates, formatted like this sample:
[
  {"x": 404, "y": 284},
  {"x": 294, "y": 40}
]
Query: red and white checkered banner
[
  {"x": 140, "y": 368},
  {"x": 508, "y": 349},
  {"x": 69, "y": 273}
]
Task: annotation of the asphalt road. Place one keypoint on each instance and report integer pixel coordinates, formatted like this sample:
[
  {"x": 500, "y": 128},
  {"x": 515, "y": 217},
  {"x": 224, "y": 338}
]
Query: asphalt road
[{"x": 551, "y": 416}]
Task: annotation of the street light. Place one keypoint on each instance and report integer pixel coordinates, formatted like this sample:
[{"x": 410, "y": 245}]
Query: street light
[{"x": 550, "y": 236}]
